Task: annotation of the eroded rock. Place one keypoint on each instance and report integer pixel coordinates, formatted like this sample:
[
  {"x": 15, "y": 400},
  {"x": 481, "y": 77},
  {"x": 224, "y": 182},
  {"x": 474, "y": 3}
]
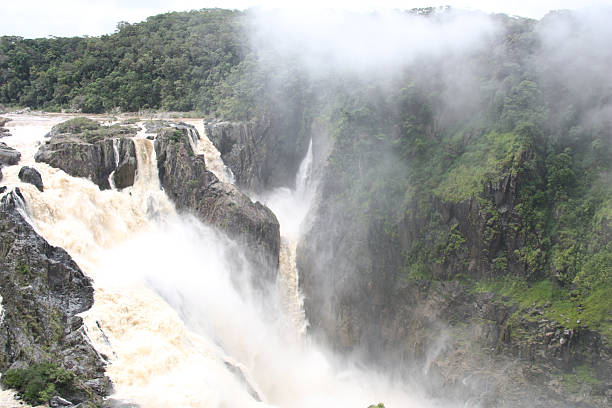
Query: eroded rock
[
  {"x": 31, "y": 175},
  {"x": 8, "y": 155},
  {"x": 192, "y": 188},
  {"x": 43, "y": 291},
  {"x": 91, "y": 155}
]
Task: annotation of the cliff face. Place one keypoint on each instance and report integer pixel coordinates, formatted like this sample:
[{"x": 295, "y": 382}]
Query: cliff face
[
  {"x": 418, "y": 291},
  {"x": 42, "y": 292},
  {"x": 262, "y": 154},
  {"x": 95, "y": 161},
  {"x": 194, "y": 189}
]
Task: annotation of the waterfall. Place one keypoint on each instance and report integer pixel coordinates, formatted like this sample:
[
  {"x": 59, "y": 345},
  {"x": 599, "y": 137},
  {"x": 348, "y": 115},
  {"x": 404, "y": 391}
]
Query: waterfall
[
  {"x": 111, "y": 176},
  {"x": 204, "y": 146},
  {"x": 290, "y": 207},
  {"x": 175, "y": 327},
  {"x": 304, "y": 175}
]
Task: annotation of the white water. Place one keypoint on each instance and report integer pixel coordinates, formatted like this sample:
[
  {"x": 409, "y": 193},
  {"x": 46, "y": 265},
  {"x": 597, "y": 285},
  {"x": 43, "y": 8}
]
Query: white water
[
  {"x": 211, "y": 154},
  {"x": 167, "y": 312},
  {"x": 111, "y": 179},
  {"x": 290, "y": 208}
]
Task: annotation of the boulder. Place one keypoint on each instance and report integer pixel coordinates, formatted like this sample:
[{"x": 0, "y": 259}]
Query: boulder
[
  {"x": 32, "y": 176},
  {"x": 43, "y": 290},
  {"x": 8, "y": 155},
  {"x": 57, "y": 402},
  {"x": 4, "y": 131},
  {"x": 125, "y": 174}
]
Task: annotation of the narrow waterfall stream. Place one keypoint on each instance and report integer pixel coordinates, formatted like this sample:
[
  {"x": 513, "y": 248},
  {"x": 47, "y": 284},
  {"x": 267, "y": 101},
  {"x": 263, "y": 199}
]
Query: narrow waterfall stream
[
  {"x": 176, "y": 330},
  {"x": 290, "y": 207}
]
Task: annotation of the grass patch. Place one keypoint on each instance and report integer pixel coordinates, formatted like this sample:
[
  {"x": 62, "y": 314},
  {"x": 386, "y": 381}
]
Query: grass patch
[
  {"x": 487, "y": 160},
  {"x": 91, "y": 131},
  {"x": 593, "y": 308},
  {"x": 582, "y": 375},
  {"x": 76, "y": 125}
]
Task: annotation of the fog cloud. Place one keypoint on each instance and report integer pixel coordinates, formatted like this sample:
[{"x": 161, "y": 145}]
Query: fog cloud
[{"x": 361, "y": 42}]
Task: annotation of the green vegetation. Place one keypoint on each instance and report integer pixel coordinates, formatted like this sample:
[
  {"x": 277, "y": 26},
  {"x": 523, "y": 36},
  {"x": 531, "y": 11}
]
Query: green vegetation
[
  {"x": 39, "y": 382},
  {"x": 171, "y": 61},
  {"x": 570, "y": 308},
  {"x": 91, "y": 131},
  {"x": 487, "y": 160},
  {"x": 582, "y": 375},
  {"x": 76, "y": 125}
]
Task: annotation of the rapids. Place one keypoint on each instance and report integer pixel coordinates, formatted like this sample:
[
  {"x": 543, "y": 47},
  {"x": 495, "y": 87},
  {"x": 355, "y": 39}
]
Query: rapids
[{"x": 174, "y": 313}]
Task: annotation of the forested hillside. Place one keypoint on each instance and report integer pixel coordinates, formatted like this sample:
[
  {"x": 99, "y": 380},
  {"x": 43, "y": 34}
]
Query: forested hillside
[{"x": 172, "y": 61}]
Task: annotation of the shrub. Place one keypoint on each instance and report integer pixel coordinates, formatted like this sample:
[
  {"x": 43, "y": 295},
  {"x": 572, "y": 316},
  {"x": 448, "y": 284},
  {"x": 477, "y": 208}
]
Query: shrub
[
  {"x": 39, "y": 382},
  {"x": 76, "y": 125}
]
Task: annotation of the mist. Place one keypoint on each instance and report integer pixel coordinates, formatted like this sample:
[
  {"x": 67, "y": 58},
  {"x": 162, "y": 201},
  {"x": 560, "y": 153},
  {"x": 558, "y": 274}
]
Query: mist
[
  {"x": 467, "y": 69},
  {"x": 345, "y": 41}
]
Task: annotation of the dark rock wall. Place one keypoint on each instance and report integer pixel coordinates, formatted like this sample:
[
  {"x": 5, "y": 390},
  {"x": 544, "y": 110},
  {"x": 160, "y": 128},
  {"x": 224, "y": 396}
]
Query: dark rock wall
[
  {"x": 357, "y": 297},
  {"x": 8, "y": 155},
  {"x": 262, "y": 154},
  {"x": 192, "y": 188},
  {"x": 42, "y": 291},
  {"x": 95, "y": 161}
]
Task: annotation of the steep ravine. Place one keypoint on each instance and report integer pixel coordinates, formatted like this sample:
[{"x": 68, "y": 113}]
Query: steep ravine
[
  {"x": 176, "y": 314},
  {"x": 361, "y": 296}
]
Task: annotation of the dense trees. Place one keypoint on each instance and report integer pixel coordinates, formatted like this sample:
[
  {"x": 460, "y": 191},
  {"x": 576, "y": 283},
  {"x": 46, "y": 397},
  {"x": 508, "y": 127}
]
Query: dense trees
[{"x": 171, "y": 61}]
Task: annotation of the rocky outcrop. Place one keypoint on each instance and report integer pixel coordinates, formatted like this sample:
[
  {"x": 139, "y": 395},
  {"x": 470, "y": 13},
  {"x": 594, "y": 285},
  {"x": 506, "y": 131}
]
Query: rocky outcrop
[
  {"x": 31, "y": 175},
  {"x": 8, "y": 155},
  {"x": 4, "y": 131},
  {"x": 95, "y": 160},
  {"x": 126, "y": 171},
  {"x": 194, "y": 189},
  {"x": 242, "y": 150},
  {"x": 262, "y": 154},
  {"x": 43, "y": 291}
]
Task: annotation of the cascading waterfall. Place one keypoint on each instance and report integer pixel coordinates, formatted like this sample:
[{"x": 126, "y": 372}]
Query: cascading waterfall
[
  {"x": 212, "y": 156},
  {"x": 111, "y": 176},
  {"x": 290, "y": 207},
  {"x": 176, "y": 329}
]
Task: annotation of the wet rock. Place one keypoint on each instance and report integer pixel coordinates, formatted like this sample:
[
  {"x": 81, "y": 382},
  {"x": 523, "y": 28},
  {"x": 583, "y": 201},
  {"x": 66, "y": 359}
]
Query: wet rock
[
  {"x": 8, "y": 155},
  {"x": 241, "y": 150},
  {"x": 93, "y": 159},
  {"x": 4, "y": 132},
  {"x": 125, "y": 174},
  {"x": 31, "y": 175},
  {"x": 42, "y": 291},
  {"x": 258, "y": 152},
  {"x": 192, "y": 188},
  {"x": 56, "y": 402},
  {"x": 115, "y": 403},
  {"x": 239, "y": 374}
]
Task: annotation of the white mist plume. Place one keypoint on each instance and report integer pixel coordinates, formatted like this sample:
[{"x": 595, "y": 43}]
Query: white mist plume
[
  {"x": 575, "y": 49},
  {"x": 339, "y": 40}
]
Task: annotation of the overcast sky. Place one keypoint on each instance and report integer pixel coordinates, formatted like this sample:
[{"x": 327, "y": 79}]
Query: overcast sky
[{"x": 33, "y": 19}]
